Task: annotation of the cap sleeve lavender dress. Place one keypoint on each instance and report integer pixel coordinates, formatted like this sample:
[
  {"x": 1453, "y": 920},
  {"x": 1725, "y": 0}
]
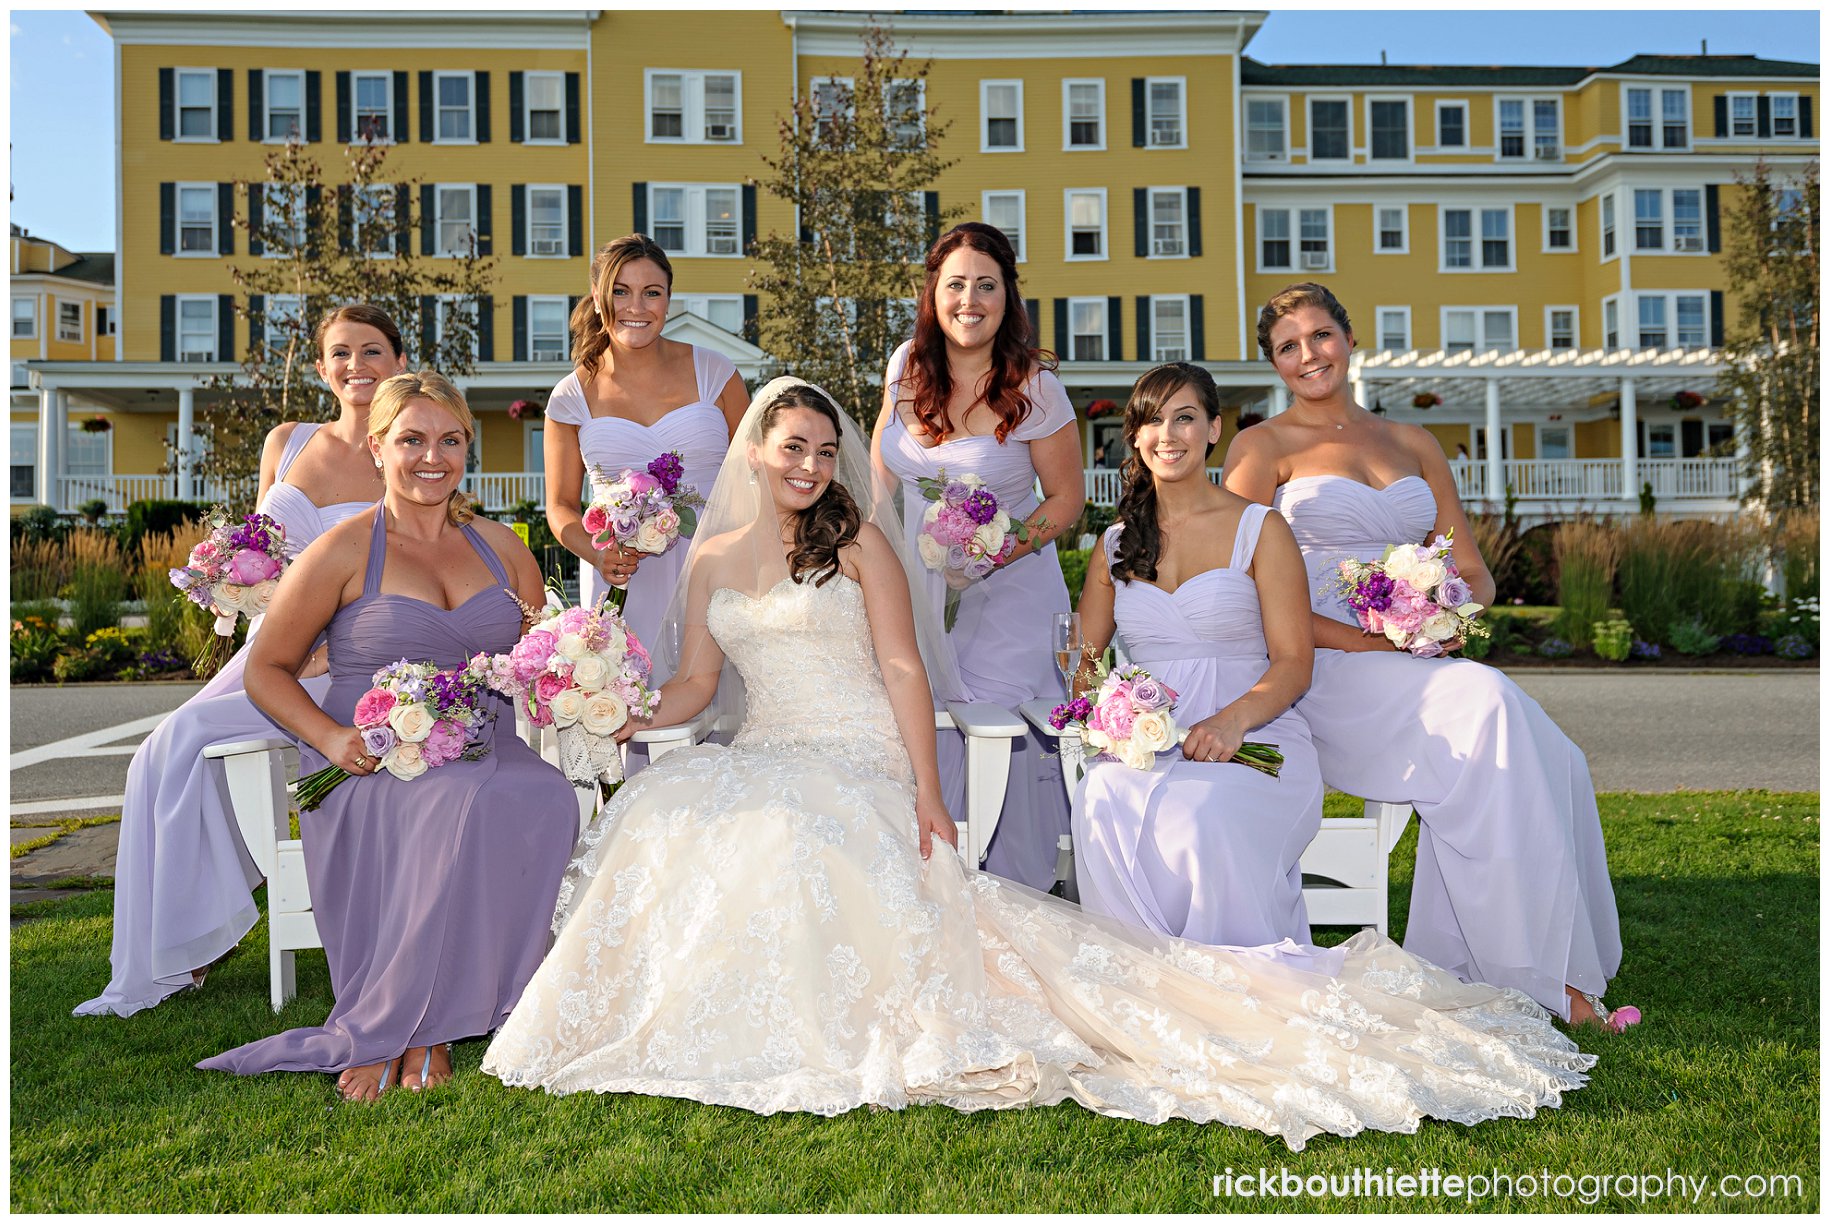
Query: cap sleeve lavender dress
[
  {"x": 183, "y": 882},
  {"x": 1002, "y": 632},
  {"x": 1512, "y": 876},
  {"x": 1201, "y": 850},
  {"x": 432, "y": 896}
]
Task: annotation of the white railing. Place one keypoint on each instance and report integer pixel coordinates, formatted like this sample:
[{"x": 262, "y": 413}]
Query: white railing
[
  {"x": 1716, "y": 479},
  {"x": 500, "y": 490},
  {"x": 1105, "y": 484},
  {"x": 1579, "y": 481},
  {"x": 124, "y": 488}
]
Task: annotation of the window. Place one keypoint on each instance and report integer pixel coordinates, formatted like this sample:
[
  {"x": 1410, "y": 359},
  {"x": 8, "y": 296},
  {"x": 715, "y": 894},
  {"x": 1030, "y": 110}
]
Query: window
[
  {"x": 1394, "y": 328},
  {"x": 1314, "y": 238},
  {"x": 1087, "y": 328},
  {"x": 453, "y": 314},
  {"x": 1168, "y": 222},
  {"x": 197, "y": 218},
  {"x": 546, "y": 221},
  {"x": 1264, "y": 129},
  {"x": 25, "y": 318},
  {"x": 285, "y": 315},
  {"x": 285, "y": 103},
  {"x": 543, "y": 97},
  {"x": 1658, "y": 312},
  {"x": 1742, "y": 112},
  {"x": 1457, "y": 238},
  {"x": 1639, "y": 118},
  {"x": 1391, "y": 229},
  {"x": 1545, "y": 140},
  {"x": 1273, "y": 238},
  {"x": 1166, "y": 117},
  {"x": 1545, "y": 144},
  {"x": 1083, "y": 108},
  {"x": 905, "y": 112},
  {"x": 104, "y": 320},
  {"x": 1004, "y": 209},
  {"x": 372, "y": 219},
  {"x": 1560, "y": 327},
  {"x": 1720, "y": 437},
  {"x": 1610, "y": 323},
  {"x": 667, "y": 106},
  {"x": 371, "y": 101},
  {"x": 1451, "y": 125},
  {"x": 724, "y": 310},
  {"x": 283, "y": 217},
  {"x": 457, "y": 215},
  {"x": 1496, "y": 238},
  {"x": 197, "y": 328},
  {"x": 1661, "y": 441},
  {"x": 85, "y": 453},
  {"x": 1648, "y": 219},
  {"x": 1169, "y": 327},
  {"x": 454, "y": 103},
  {"x": 1692, "y": 321},
  {"x": 694, "y": 218},
  {"x": 1086, "y": 223},
  {"x": 1001, "y": 116},
  {"x": 1328, "y": 129},
  {"x": 1674, "y": 108},
  {"x": 1654, "y": 331},
  {"x": 1686, "y": 219},
  {"x": 1553, "y": 442},
  {"x": 1607, "y": 226},
  {"x": 196, "y": 104},
  {"x": 1313, "y": 225},
  {"x": 1784, "y": 115},
  {"x": 1512, "y": 127},
  {"x": 723, "y": 111},
  {"x": 70, "y": 322},
  {"x": 832, "y": 98},
  {"x": 1559, "y": 228},
  {"x": 547, "y": 336},
  {"x": 1494, "y": 253},
  {"x": 1478, "y": 329},
  {"x": 1390, "y": 123},
  {"x": 25, "y": 460}
]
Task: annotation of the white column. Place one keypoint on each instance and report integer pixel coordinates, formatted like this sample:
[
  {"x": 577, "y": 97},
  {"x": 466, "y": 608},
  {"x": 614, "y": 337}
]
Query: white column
[
  {"x": 1358, "y": 385},
  {"x": 1629, "y": 441},
  {"x": 1496, "y": 466},
  {"x": 185, "y": 458},
  {"x": 46, "y": 484},
  {"x": 1280, "y": 399}
]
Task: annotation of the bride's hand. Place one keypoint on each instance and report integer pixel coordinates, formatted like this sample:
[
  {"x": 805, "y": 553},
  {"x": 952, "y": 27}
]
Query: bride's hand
[{"x": 932, "y": 819}]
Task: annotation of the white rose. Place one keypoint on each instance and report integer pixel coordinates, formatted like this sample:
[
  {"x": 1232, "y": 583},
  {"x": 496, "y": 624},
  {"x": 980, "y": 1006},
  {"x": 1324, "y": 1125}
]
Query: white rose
[
  {"x": 591, "y": 673},
  {"x": 650, "y": 537},
  {"x": 605, "y": 713},
  {"x": 1098, "y": 741},
  {"x": 990, "y": 538},
  {"x": 619, "y": 640},
  {"x": 258, "y": 597},
  {"x": 933, "y": 552},
  {"x": 572, "y": 646},
  {"x": 406, "y": 761},
  {"x": 412, "y": 723},
  {"x": 1152, "y": 731},
  {"x": 1401, "y": 562},
  {"x": 1442, "y": 626},
  {"x": 1136, "y": 755},
  {"x": 567, "y": 707},
  {"x": 1396, "y": 636},
  {"x": 230, "y": 598},
  {"x": 1427, "y": 575}
]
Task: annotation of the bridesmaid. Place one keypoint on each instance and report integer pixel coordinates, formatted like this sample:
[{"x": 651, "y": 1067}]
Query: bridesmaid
[
  {"x": 969, "y": 394},
  {"x": 1209, "y": 591},
  {"x": 432, "y": 895},
  {"x": 1512, "y": 877},
  {"x": 183, "y": 880},
  {"x": 634, "y": 395}
]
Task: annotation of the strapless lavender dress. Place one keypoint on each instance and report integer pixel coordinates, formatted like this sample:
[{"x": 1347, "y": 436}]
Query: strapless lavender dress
[
  {"x": 1207, "y": 851},
  {"x": 432, "y": 896},
  {"x": 1512, "y": 877}
]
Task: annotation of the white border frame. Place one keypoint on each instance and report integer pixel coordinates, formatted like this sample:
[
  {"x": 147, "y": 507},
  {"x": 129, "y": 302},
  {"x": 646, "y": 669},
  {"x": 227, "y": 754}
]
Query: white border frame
[
  {"x": 1480, "y": 326},
  {"x": 1605, "y": 202},
  {"x": 1258, "y": 211},
  {"x": 528, "y": 76},
  {"x": 1067, "y": 225},
  {"x": 1410, "y": 130},
  {"x": 1773, "y": 96},
  {"x": 30, "y": 423},
  {"x": 178, "y": 251},
  {"x": 1150, "y": 194},
  {"x": 1188, "y": 326},
  {"x": 1245, "y": 129},
  {"x": 565, "y": 314},
  {"x": 1537, "y": 438},
  {"x": 1378, "y": 336},
  {"x": 1474, "y": 209},
  {"x": 1752, "y": 96},
  {"x": 438, "y": 217},
  {"x": 1467, "y": 142},
  {"x": 1612, "y": 300},
  {"x": 37, "y": 324},
  {"x": 565, "y": 224},
  {"x": 985, "y": 145},
  {"x": 178, "y": 301},
  {"x": 1309, "y": 102},
  {"x": 1022, "y": 194},
  {"x": 178, "y": 136},
  {"x": 1404, "y": 228},
  {"x": 1181, "y": 84},
  {"x": 394, "y": 121},
  {"x": 1067, "y": 116},
  {"x": 1544, "y": 230},
  {"x": 1105, "y": 328},
  {"x": 82, "y": 327},
  {"x": 438, "y": 75},
  {"x": 693, "y": 206},
  {"x": 1575, "y": 320},
  {"x": 267, "y": 74}
]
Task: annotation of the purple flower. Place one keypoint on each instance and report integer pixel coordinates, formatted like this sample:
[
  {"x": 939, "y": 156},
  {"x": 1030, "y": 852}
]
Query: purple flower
[
  {"x": 378, "y": 741},
  {"x": 1373, "y": 591},
  {"x": 981, "y": 507},
  {"x": 1454, "y": 592},
  {"x": 1149, "y": 693},
  {"x": 1076, "y": 710},
  {"x": 955, "y": 491},
  {"x": 668, "y": 469}
]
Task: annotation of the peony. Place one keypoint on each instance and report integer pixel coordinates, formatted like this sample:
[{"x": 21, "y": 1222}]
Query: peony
[
  {"x": 576, "y": 620},
  {"x": 604, "y": 714},
  {"x": 572, "y": 646},
  {"x": 250, "y": 566},
  {"x": 591, "y": 673},
  {"x": 379, "y": 741},
  {"x": 444, "y": 744},
  {"x": 412, "y": 723},
  {"x": 567, "y": 707},
  {"x": 373, "y": 706},
  {"x": 407, "y": 763},
  {"x": 597, "y": 521},
  {"x": 1117, "y": 718},
  {"x": 531, "y": 653},
  {"x": 1153, "y": 730},
  {"x": 651, "y": 537},
  {"x": 548, "y": 686}
]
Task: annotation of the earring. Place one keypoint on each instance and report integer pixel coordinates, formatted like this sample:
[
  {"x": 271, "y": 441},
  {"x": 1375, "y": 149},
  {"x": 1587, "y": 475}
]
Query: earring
[
  {"x": 377, "y": 465},
  {"x": 752, "y": 475}
]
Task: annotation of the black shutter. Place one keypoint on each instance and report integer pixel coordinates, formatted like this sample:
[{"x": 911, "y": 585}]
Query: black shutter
[
  {"x": 1197, "y": 328},
  {"x": 1139, "y": 121},
  {"x": 572, "y": 128},
  {"x": 168, "y": 102},
  {"x": 515, "y": 95},
  {"x": 1721, "y": 116},
  {"x": 571, "y": 335},
  {"x": 428, "y": 328},
  {"x": 1690, "y": 439},
  {"x": 1716, "y": 321},
  {"x": 1804, "y": 116},
  {"x": 1763, "y": 112},
  {"x": 1115, "y": 329},
  {"x": 575, "y": 220},
  {"x": 1194, "y": 220},
  {"x": 314, "y": 107},
  {"x": 313, "y": 204},
  {"x": 1140, "y": 220},
  {"x": 225, "y": 327},
  {"x": 1143, "y": 328},
  {"x": 517, "y": 216},
  {"x": 1033, "y": 308},
  {"x": 1712, "y": 215},
  {"x": 257, "y": 218},
  {"x": 168, "y": 327},
  {"x": 1061, "y": 322},
  {"x": 225, "y": 218},
  {"x": 343, "y": 108},
  {"x": 398, "y": 129},
  {"x": 257, "y": 322},
  {"x": 482, "y": 99},
  {"x": 640, "y": 194},
  {"x": 428, "y": 218},
  {"x": 425, "y": 107},
  {"x": 752, "y": 306},
  {"x": 930, "y": 203},
  {"x": 168, "y": 218},
  {"x": 225, "y": 104},
  {"x": 403, "y": 219},
  {"x": 520, "y": 340},
  {"x": 749, "y": 217},
  {"x": 486, "y": 327},
  {"x": 486, "y": 235},
  {"x": 346, "y": 217},
  {"x": 257, "y": 105}
]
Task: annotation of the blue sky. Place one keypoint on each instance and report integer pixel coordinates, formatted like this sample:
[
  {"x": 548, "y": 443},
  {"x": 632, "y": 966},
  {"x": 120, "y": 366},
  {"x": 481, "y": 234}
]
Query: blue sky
[{"x": 62, "y": 79}]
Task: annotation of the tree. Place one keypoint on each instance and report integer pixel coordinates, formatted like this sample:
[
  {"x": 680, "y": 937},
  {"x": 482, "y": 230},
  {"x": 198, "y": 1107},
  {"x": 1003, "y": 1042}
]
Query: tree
[
  {"x": 1770, "y": 253},
  {"x": 858, "y": 163},
  {"x": 317, "y": 246}
]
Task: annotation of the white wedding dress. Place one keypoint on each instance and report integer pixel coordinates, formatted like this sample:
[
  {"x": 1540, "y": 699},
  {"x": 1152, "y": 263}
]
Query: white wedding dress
[{"x": 753, "y": 925}]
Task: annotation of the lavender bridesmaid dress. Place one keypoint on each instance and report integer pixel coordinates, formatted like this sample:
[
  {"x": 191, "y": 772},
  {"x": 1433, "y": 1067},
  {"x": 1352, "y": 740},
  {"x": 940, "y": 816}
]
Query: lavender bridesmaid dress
[
  {"x": 1002, "y": 634},
  {"x": 183, "y": 881},
  {"x": 1201, "y": 850},
  {"x": 1512, "y": 877},
  {"x": 432, "y": 896}
]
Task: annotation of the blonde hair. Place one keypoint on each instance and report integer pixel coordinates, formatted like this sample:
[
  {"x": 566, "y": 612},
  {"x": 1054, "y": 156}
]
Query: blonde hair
[
  {"x": 392, "y": 398},
  {"x": 590, "y": 336}
]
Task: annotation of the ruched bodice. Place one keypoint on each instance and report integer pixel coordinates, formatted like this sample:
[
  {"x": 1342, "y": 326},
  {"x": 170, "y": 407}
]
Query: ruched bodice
[
  {"x": 303, "y": 519},
  {"x": 1334, "y": 517},
  {"x": 1214, "y": 614}
]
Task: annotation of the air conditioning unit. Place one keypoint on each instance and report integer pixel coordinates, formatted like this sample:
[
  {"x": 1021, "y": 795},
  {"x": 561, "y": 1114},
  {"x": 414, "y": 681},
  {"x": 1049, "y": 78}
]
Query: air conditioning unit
[
  {"x": 1688, "y": 242},
  {"x": 549, "y": 246},
  {"x": 720, "y": 131},
  {"x": 1548, "y": 153},
  {"x": 1315, "y": 260},
  {"x": 1165, "y": 136},
  {"x": 1166, "y": 246},
  {"x": 548, "y": 354},
  {"x": 197, "y": 357}
]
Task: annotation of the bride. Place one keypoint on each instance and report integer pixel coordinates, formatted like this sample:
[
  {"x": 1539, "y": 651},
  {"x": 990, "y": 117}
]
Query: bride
[{"x": 771, "y": 925}]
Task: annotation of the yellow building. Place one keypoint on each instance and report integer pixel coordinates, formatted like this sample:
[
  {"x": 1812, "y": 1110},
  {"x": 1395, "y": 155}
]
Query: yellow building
[
  {"x": 1532, "y": 253},
  {"x": 64, "y": 311}
]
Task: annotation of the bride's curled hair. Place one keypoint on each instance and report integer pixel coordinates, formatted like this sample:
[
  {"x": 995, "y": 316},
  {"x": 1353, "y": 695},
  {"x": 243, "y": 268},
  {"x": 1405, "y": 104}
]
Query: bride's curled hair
[
  {"x": 832, "y": 522},
  {"x": 1141, "y": 543}
]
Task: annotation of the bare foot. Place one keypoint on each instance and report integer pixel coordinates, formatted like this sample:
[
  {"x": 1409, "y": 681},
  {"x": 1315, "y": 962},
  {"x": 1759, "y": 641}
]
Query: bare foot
[
  {"x": 1580, "y": 1011},
  {"x": 368, "y": 1083},
  {"x": 1583, "y": 1012},
  {"x": 414, "y": 1062}
]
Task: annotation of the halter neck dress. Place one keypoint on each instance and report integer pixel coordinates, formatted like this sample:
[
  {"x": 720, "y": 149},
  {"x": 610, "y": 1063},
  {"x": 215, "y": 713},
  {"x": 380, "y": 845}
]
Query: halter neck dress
[
  {"x": 431, "y": 896},
  {"x": 183, "y": 882},
  {"x": 1512, "y": 876}
]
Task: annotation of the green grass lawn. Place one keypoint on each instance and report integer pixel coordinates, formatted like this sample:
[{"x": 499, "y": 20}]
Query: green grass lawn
[{"x": 1718, "y": 903}]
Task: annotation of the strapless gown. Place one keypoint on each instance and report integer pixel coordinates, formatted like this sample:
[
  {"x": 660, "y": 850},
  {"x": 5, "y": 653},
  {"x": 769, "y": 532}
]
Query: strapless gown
[
  {"x": 1512, "y": 875},
  {"x": 431, "y": 896},
  {"x": 1202, "y": 850},
  {"x": 753, "y": 925},
  {"x": 183, "y": 880}
]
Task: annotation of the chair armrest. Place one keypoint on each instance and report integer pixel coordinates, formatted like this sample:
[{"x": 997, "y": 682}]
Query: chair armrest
[
  {"x": 244, "y": 747},
  {"x": 1037, "y": 712},
  {"x": 983, "y": 720},
  {"x": 678, "y": 735}
]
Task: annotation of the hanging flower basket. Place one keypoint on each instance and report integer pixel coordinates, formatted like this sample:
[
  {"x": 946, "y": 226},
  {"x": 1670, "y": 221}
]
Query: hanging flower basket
[
  {"x": 1426, "y": 399},
  {"x": 1685, "y": 401},
  {"x": 97, "y": 424},
  {"x": 525, "y": 410},
  {"x": 1101, "y": 407}
]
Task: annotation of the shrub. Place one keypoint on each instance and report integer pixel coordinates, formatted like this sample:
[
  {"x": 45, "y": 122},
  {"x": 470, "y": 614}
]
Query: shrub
[
  {"x": 163, "y": 661},
  {"x": 1074, "y": 570},
  {"x": 1503, "y": 635},
  {"x": 115, "y": 645},
  {"x": 1802, "y": 619},
  {"x": 1586, "y": 556},
  {"x": 40, "y": 523},
  {"x": 1555, "y": 648},
  {"x": 1093, "y": 521},
  {"x": 1647, "y": 650},
  {"x": 1796, "y": 538},
  {"x": 1613, "y": 639},
  {"x": 93, "y": 510},
  {"x": 1746, "y": 644},
  {"x": 82, "y": 664},
  {"x": 41, "y": 568},
  {"x": 1534, "y": 568},
  {"x": 1500, "y": 547},
  {"x": 1794, "y": 646},
  {"x": 159, "y": 514},
  {"x": 1694, "y": 638},
  {"x": 34, "y": 643},
  {"x": 97, "y": 582},
  {"x": 1651, "y": 550}
]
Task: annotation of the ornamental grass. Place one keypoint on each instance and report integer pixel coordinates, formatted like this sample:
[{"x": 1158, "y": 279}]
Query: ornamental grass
[
  {"x": 160, "y": 553},
  {"x": 97, "y": 581},
  {"x": 1587, "y": 554}
]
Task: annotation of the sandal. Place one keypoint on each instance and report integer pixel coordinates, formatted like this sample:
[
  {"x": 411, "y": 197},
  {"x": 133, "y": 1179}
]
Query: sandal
[
  {"x": 425, "y": 1070},
  {"x": 1617, "y": 1021},
  {"x": 347, "y": 1093}
]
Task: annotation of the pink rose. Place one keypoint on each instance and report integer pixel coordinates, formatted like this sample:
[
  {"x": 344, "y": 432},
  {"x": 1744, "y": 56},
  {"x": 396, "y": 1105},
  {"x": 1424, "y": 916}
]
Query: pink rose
[
  {"x": 444, "y": 744},
  {"x": 548, "y": 686},
  {"x": 597, "y": 519},
  {"x": 531, "y": 653},
  {"x": 637, "y": 657},
  {"x": 539, "y": 715},
  {"x": 250, "y": 567},
  {"x": 373, "y": 706}
]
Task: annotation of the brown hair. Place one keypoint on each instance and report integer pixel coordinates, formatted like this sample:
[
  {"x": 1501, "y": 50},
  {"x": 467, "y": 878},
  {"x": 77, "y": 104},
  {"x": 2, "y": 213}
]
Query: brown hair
[
  {"x": 392, "y": 397},
  {"x": 1292, "y": 299},
  {"x": 832, "y": 522},
  {"x": 1012, "y": 356},
  {"x": 358, "y": 312},
  {"x": 1141, "y": 543},
  {"x": 589, "y": 335}
]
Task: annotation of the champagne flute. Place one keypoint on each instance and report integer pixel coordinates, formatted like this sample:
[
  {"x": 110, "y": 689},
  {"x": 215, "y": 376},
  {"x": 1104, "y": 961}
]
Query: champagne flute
[{"x": 1067, "y": 644}]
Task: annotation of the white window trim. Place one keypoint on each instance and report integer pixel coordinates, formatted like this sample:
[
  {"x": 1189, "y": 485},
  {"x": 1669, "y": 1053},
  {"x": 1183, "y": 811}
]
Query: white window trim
[
  {"x": 1667, "y": 206},
  {"x": 438, "y": 220},
  {"x": 178, "y": 251},
  {"x": 442, "y": 305},
  {"x": 1296, "y": 235},
  {"x": 1181, "y": 83},
  {"x": 1150, "y": 194},
  {"x": 1466, "y": 145},
  {"x": 267, "y": 75},
  {"x": 271, "y": 316},
  {"x": 1652, "y": 106},
  {"x": 813, "y": 94},
  {"x": 1188, "y": 340},
  {"x": 32, "y": 300},
  {"x": 1258, "y": 213},
  {"x": 1602, "y": 202},
  {"x": 1067, "y": 219},
  {"x": 393, "y": 119},
  {"x": 1480, "y": 313},
  {"x": 1671, "y": 315},
  {"x": 527, "y": 108},
  {"x": 438, "y": 76},
  {"x": 178, "y": 325},
  {"x": 1544, "y": 230},
  {"x": 1612, "y": 299},
  {"x": 687, "y": 301},
  {"x": 1755, "y": 98},
  {"x": 1575, "y": 313},
  {"x": 1690, "y": 118},
  {"x": 1378, "y": 337},
  {"x": 1283, "y": 101},
  {"x": 1537, "y": 437},
  {"x": 1474, "y": 209},
  {"x": 385, "y": 249},
  {"x": 985, "y": 145},
  {"x": 695, "y": 219},
  {"x": 1022, "y": 195},
  {"x": 549, "y": 299},
  {"x": 1309, "y": 128},
  {"x": 533, "y": 453},
  {"x": 105, "y": 440},
  {"x": 527, "y": 238},
  {"x": 1410, "y": 130},
  {"x": 1067, "y": 115},
  {"x": 32, "y": 427},
  {"x": 1404, "y": 245},
  {"x": 921, "y": 106},
  {"x": 692, "y": 105},
  {"x": 268, "y": 250},
  {"x": 1529, "y": 100},
  {"x": 178, "y": 136},
  {"x": 82, "y": 327},
  {"x": 1773, "y": 115},
  {"x": 1105, "y": 328}
]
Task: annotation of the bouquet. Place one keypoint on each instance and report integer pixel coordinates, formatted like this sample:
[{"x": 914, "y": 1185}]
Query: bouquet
[
  {"x": 965, "y": 534},
  {"x": 647, "y": 510},
  {"x": 417, "y": 717},
  {"x": 582, "y": 672},
  {"x": 1414, "y": 595},
  {"x": 232, "y": 572},
  {"x": 1129, "y": 719}
]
